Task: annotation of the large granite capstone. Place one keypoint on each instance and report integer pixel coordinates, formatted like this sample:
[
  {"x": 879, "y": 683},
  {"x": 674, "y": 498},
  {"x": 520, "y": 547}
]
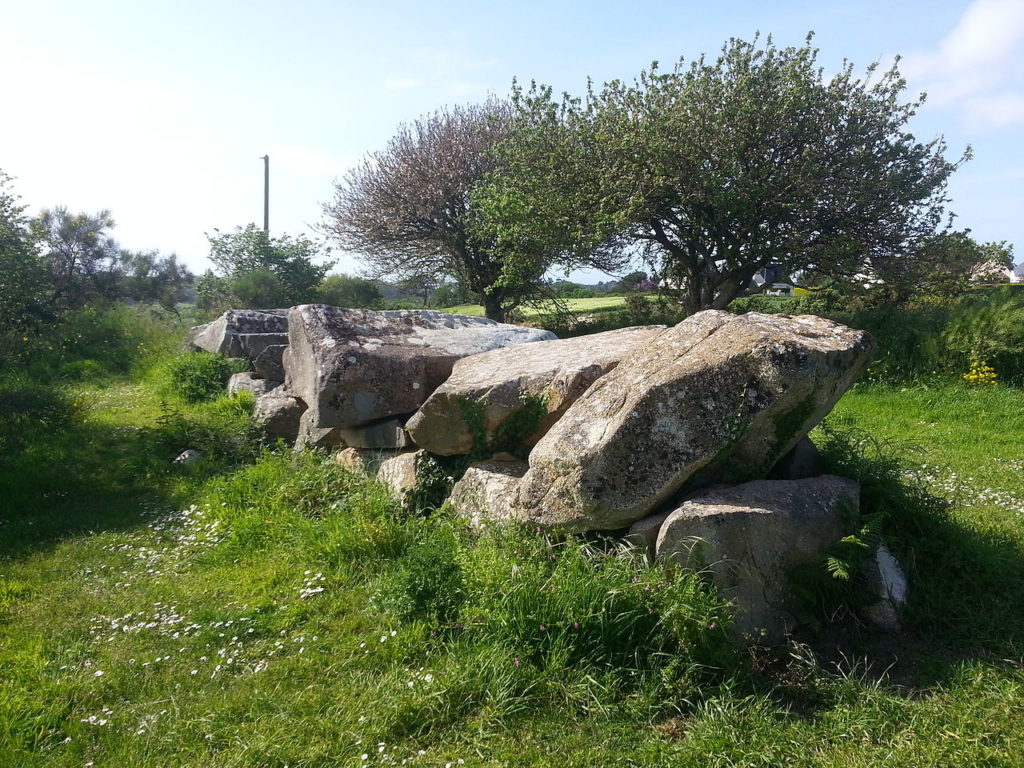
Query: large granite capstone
[
  {"x": 493, "y": 387},
  {"x": 721, "y": 395},
  {"x": 355, "y": 366}
]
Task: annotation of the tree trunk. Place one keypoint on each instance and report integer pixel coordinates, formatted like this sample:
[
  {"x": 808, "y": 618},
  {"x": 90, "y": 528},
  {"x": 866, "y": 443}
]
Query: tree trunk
[
  {"x": 693, "y": 298},
  {"x": 492, "y": 307}
]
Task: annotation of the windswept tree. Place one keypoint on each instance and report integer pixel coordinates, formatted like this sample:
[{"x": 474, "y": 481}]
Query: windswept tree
[
  {"x": 722, "y": 168},
  {"x": 84, "y": 263},
  {"x": 410, "y": 209},
  {"x": 148, "y": 277},
  {"x": 81, "y": 255}
]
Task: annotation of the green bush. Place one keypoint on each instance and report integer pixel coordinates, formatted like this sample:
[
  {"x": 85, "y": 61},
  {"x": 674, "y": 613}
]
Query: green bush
[
  {"x": 989, "y": 327},
  {"x": 909, "y": 340},
  {"x": 928, "y": 336},
  {"x": 100, "y": 341},
  {"x": 770, "y": 305},
  {"x": 197, "y": 377}
]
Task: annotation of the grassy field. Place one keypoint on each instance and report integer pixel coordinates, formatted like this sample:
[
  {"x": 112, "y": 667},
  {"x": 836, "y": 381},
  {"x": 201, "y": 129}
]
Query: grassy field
[
  {"x": 276, "y": 611},
  {"x": 576, "y": 306}
]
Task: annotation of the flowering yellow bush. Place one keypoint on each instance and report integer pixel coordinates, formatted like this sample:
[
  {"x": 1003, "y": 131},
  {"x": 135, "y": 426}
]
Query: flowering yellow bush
[{"x": 980, "y": 373}]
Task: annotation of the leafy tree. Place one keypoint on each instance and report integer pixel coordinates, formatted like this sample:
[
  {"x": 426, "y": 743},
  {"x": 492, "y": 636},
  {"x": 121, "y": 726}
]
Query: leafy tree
[
  {"x": 421, "y": 286},
  {"x": 632, "y": 280},
  {"x": 345, "y": 291},
  {"x": 999, "y": 254},
  {"x": 722, "y": 168},
  {"x": 85, "y": 264},
  {"x": 995, "y": 260},
  {"x": 147, "y": 277},
  {"x": 80, "y": 254},
  {"x": 450, "y": 294},
  {"x": 24, "y": 280},
  {"x": 410, "y": 210},
  {"x": 252, "y": 270}
]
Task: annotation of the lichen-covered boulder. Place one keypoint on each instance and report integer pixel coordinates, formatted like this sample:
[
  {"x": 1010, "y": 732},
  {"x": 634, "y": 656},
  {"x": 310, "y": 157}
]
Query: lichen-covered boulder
[
  {"x": 750, "y": 537},
  {"x": 400, "y": 473},
  {"x": 223, "y": 335},
  {"x": 269, "y": 361},
  {"x": 718, "y": 397},
  {"x": 356, "y": 366},
  {"x": 309, "y": 435},
  {"x": 485, "y": 492},
  {"x": 279, "y": 415},
  {"x": 246, "y": 382},
  {"x": 519, "y": 390}
]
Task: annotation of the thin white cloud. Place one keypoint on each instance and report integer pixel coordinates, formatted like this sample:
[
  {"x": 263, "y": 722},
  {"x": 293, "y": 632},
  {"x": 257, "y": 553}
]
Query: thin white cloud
[
  {"x": 978, "y": 68},
  {"x": 998, "y": 110},
  {"x": 445, "y": 70},
  {"x": 403, "y": 83}
]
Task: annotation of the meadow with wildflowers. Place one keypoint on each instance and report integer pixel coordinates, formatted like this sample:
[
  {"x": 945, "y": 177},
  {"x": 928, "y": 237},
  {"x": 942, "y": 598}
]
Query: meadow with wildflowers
[{"x": 265, "y": 608}]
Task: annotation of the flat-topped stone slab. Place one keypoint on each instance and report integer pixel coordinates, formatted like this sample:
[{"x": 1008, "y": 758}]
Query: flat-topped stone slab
[
  {"x": 355, "y": 366},
  {"x": 223, "y": 335},
  {"x": 486, "y": 391}
]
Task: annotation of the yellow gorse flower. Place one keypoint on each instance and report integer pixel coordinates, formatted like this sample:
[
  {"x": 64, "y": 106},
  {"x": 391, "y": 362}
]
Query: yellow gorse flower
[{"x": 980, "y": 373}]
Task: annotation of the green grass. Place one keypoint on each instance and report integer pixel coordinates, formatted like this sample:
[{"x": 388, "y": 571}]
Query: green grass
[
  {"x": 276, "y": 610},
  {"x": 576, "y": 306}
]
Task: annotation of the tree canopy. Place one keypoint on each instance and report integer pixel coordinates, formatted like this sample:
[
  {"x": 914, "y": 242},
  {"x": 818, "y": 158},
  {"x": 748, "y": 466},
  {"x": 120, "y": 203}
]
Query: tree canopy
[
  {"x": 721, "y": 168},
  {"x": 23, "y": 275},
  {"x": 253, "y": 270},
  {"x": 346, "y": 291},
  {"x": 410, "y": 209},
  {"x": 84, "y": 263}
]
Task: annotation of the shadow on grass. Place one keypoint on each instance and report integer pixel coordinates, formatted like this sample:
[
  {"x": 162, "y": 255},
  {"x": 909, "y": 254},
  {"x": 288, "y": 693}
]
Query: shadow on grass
[
  {"x": 88, "y": 477},
  {"x": 966, "y": 590}
]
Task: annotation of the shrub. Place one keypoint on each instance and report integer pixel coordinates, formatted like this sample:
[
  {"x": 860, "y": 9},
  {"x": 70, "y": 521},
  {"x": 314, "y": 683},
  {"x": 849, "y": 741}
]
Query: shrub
[
  {"x": 197, "y": 377},
  {"x": 989, "y": 327}
]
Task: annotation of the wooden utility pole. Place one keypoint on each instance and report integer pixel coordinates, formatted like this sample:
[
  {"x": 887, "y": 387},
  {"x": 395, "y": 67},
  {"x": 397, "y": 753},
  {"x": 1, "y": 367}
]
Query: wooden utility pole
[{"x": 266, "y": 193}]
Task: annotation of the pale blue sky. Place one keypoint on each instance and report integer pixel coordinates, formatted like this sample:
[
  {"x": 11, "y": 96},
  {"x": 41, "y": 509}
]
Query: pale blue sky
[{"x": 160, "y": 110}]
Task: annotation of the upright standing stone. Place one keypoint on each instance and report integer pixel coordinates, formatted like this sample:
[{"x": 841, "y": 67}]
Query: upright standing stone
[{"x": 750, "y": 537}]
